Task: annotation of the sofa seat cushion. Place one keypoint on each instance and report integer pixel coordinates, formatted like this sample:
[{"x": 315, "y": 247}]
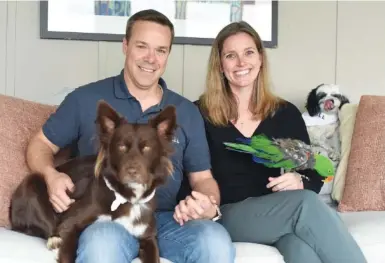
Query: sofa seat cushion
[
  {"x": 17, "y": 248},
  {"x": 368, "y": 229},
  {"x": 248, "y": 252},
  {"x": 20, "y": 248}
]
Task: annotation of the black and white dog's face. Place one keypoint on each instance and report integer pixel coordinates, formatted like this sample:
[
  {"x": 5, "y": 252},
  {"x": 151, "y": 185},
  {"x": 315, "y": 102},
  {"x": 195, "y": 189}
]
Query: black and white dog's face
[{"x": 325, "y": 98}]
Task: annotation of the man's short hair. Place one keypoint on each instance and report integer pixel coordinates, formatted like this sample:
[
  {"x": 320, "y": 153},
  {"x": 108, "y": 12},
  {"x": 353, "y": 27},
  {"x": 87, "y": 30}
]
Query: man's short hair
[{"x": 150, "y": 15}]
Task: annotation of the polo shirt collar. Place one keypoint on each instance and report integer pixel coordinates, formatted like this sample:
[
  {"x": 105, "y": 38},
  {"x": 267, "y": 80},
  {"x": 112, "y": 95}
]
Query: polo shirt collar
[{"x": 121, "y": 90}]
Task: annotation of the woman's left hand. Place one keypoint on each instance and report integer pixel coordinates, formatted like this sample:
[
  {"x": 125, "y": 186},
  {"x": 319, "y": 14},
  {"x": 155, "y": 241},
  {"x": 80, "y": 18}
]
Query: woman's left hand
[{"x": 287, "y": 181}]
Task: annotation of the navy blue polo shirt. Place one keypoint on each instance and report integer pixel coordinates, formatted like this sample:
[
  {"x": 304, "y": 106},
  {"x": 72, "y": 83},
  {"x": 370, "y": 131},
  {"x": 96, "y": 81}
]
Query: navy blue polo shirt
[{"x": 74, "y": 121}]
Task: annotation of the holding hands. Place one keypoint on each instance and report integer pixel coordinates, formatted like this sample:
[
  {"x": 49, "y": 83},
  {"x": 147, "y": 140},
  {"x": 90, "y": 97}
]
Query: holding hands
[
  {"x": 196, "y": 206},
  {"x": 287, "y": 181}
]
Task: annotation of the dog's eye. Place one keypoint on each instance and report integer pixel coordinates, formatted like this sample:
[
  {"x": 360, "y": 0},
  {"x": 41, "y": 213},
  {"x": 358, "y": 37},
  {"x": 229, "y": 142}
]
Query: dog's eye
[
  {"x": 146, "y": 148},
  {"x": 122, "y": 148}
]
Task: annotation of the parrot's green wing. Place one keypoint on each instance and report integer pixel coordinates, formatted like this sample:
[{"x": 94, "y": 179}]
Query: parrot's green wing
[
  {"x": 270, "y": 153},
  {"x": 266, "y": 148},
  {"x": 286, "y": 164},
  {"x": 289, "y": 154}
]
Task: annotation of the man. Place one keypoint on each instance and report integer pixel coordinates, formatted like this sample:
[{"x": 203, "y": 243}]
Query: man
[{"x": 139, "y": 93}]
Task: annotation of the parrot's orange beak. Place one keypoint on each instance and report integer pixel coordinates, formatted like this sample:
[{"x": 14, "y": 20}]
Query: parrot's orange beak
[{"x": 328, "y": 179}]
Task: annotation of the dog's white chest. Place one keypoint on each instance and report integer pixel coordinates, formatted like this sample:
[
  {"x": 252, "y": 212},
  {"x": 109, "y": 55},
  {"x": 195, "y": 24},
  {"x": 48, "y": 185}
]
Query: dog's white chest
[{"x": 130, "y": 222}]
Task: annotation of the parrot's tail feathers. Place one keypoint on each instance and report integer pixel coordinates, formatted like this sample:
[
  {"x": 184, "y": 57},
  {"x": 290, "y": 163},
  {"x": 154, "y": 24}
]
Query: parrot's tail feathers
[
  {"x": 261, "y": 160},
  {"x": 239, "y": 147},
  {"x": 244, "y": 140},
  {"x": 238, "y": 150}
]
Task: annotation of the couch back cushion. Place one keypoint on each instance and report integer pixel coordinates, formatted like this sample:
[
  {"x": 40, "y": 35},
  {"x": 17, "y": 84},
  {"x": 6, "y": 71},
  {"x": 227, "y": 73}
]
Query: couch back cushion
[
  {"x": 20, "y": 120},
  {"x": 347, "y": 116},
  {"x": 365, "y": 178}
]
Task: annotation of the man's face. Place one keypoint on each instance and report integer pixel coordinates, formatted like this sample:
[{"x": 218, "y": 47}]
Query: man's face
[{"x": 146, "y": 53}]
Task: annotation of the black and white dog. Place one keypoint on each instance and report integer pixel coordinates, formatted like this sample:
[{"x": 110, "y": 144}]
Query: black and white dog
[{"x": 322, "y": 120}]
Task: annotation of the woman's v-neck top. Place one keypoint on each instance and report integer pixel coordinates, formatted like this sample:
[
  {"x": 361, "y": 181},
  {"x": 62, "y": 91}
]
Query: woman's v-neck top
[{"x": 238, "y": 176}]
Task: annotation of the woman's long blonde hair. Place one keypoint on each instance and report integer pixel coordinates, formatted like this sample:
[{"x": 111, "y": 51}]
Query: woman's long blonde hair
[{"x": 218, "y": 102}]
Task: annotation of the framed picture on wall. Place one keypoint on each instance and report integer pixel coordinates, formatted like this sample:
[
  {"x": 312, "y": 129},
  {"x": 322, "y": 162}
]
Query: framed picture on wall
[{"x": 196, "y": 22}]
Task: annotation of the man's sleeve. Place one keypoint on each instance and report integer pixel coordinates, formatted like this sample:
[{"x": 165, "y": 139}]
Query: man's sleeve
[
  {"x": 197, "y": 154},
  {"x": 62, "y": 127}
]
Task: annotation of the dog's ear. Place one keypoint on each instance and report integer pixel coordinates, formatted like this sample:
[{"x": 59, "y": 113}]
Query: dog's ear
[
  {"x": 165, "y": 122},
  {"x": 312, "y": 103},
  {"x": 344, "y": 100},
  {"x": 107, "y": 118}
]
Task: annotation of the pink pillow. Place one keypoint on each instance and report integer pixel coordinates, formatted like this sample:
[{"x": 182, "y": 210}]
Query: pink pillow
[
  {"x": 20, "y": 120},
  {"x": 365, "y": 178}
]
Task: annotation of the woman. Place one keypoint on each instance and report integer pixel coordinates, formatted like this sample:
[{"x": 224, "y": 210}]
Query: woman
[{"x": 260, "y": 204}]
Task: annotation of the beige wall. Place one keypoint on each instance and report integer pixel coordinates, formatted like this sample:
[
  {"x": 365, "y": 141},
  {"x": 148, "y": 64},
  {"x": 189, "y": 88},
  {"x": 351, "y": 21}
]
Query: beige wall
[{"x": 318, "y": 42}]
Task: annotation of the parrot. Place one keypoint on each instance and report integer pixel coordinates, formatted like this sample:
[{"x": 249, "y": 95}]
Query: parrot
[{"x": 285, "y": 153}]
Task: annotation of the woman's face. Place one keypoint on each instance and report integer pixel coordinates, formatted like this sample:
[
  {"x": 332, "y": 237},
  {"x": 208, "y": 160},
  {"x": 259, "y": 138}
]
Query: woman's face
[{"x": 240, "y": 60}]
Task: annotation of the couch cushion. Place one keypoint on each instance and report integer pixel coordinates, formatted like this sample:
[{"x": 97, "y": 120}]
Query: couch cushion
[
  {"x": 347, "y": 116},
  {"x": 29, "y": 249},
  {"x": 20, "y": 248},
  {"x": 368, "y": 229},
  {"x": 365, "y": 179},
  {"x": 33, "y": 250},
  {"x": 19, "y": 119},
  {"x": 248, "y": 253}
]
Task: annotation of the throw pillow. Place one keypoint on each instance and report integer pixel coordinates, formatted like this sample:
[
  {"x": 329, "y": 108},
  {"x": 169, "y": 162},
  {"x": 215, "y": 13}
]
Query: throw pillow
[
  {"x": 20, "y": 120},
  {"x": 365, "y": 178},
  {"x": 347, "y": 116}
]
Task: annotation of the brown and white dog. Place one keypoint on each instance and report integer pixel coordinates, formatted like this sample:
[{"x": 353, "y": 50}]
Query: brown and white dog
[{"x": 118, "y": 184}]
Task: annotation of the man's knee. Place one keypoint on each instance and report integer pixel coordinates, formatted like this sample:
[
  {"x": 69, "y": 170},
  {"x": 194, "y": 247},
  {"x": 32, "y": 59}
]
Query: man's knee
[
  {"x": 212, "y": 243},
  {"x": 106, "y": 242}
]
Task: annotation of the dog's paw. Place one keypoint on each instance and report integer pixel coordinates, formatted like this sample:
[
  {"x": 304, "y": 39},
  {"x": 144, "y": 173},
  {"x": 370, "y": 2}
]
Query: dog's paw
[
  {"x": 54, "y": 243},
  {"x": 56, "y": 252},
  {"x": 334, "y": 156}
]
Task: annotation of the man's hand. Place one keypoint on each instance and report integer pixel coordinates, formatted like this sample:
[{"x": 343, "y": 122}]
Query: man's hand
[
  {"x": 57, "y": 184},
  {"x": 196, "y": 206},
  {"x": 287, "y": 181}
]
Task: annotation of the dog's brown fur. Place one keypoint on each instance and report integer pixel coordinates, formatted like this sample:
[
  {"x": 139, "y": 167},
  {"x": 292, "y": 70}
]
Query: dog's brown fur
[{"x": 129, "y": 153}]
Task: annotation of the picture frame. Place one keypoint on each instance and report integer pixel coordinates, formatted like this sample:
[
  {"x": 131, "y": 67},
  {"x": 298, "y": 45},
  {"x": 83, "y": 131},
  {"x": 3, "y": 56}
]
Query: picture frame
[{"x": 194, "y": 23}]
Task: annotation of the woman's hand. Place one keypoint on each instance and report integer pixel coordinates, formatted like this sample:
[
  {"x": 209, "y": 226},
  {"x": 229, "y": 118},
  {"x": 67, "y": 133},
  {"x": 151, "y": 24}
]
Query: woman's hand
[
  {"x": 287, "y": 181},
  {"x": 196, "y": 206}
]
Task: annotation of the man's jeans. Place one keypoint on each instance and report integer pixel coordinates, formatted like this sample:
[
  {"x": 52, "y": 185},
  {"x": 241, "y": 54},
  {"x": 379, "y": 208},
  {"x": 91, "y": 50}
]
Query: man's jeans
[{"x": 198, "y": 241}]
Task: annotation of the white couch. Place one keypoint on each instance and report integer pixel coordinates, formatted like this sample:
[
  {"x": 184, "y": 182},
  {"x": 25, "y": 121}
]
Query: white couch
[{"x": 368, "y": 229}]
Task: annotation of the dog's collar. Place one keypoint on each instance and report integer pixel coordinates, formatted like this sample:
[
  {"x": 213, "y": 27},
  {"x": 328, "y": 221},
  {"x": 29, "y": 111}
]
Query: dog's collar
[
  {"x": 148, "y": 198},
  {"x": 119, "y": 199},
  {"x": 319, "y": 119}
]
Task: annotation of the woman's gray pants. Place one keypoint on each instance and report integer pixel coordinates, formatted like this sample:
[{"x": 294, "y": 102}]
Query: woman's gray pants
[{"x": 302, "y": 227}]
